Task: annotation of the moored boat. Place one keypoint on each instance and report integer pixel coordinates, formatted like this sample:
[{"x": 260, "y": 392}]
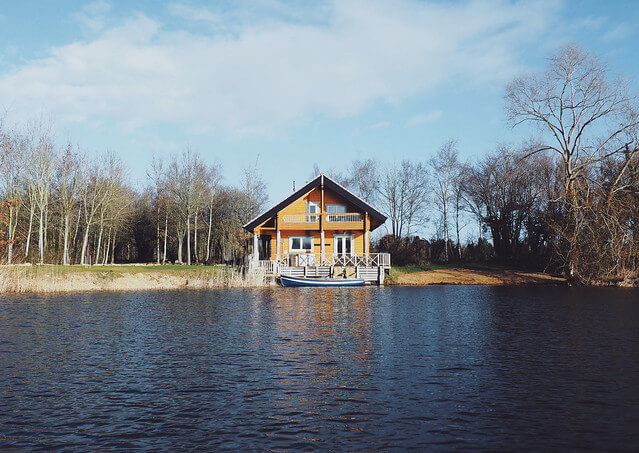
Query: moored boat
[{"x": 302, "y": 281}]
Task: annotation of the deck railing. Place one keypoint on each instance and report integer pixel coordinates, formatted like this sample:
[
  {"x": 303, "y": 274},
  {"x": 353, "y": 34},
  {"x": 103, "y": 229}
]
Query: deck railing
[
  {"x": 315, "y": 259},
  {"x": 314, "y": 218},
  {"x": 266, "y": 265}
]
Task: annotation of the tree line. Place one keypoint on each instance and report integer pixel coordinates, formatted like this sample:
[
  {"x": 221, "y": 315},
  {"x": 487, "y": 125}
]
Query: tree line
[
  {"x": 566, "y": 199},
  {"x": 62, "y": 206}
]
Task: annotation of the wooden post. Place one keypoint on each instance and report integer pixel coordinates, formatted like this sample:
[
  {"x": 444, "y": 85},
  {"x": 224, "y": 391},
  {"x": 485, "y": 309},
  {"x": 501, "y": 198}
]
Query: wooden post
[
  {"x": 278, "y": 239},
  {"x": 322, "y": 212},
  {"x": 366, "y": 234},
  {"x": 278, "y": 246},
  {"x": 256, "y": 250},
  {"x": 380, "y": 278}
]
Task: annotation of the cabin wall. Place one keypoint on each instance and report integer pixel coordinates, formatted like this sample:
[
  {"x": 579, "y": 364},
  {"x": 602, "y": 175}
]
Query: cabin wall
[
  {"x": 329, "y": 241},
  {"x": 299, "y": 207}
]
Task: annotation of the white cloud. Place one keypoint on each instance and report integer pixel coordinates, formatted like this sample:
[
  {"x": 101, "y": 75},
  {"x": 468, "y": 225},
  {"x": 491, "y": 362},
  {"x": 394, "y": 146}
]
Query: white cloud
[
  {"x": 279, "y": 71},
  {"x": 423, "y": 119},
  {"x": 380, "y": 125},
  {"x": 621, "y": 31},
  {"x": 94, "y": 16}
]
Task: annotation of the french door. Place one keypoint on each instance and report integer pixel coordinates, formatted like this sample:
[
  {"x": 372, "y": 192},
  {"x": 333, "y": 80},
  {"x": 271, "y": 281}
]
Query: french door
[{"x": 343, "y": 245}]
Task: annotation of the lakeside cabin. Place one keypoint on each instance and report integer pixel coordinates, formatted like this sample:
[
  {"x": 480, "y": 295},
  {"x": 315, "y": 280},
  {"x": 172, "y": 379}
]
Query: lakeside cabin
[{"x": 320, "y": 230}]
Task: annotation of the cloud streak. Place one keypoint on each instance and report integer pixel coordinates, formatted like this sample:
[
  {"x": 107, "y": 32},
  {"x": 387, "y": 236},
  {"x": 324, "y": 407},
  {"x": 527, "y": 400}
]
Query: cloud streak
[{"x": 276, "y": 72}]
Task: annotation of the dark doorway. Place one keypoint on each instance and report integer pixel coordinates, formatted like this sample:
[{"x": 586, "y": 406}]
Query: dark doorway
[{"x": 264, "y": 246}]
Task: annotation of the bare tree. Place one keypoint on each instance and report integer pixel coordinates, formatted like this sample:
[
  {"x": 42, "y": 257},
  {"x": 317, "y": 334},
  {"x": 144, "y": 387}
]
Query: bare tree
[
  {"x": 156, "y": 175},
  {"x": 363, "y": 179},
  {"x": 445, "y": 169},
  {"x": 66, "y": 186},
  {"x": 215, "y": 174},
  {"x": 11, "y": 165},
  {"x": 403, "y": 195},
  {"x": 584, "y": 116},
  {"x": 502, "y": 191},
  {"x": 41, "y": 160},
  {"x": 254, "y": 193},
  {"x": 187, "y": 184}
]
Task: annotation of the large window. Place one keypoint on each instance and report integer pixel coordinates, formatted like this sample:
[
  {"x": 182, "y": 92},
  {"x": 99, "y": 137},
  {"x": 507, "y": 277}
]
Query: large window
[
  {"x": 335, "y": 208},
  {"x": 300, "y": 244}
]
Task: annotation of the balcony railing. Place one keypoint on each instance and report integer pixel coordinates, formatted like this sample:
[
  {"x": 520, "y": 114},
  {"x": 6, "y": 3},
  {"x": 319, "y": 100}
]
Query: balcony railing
[
  {"x": 300, "y": 218},
  {"x": 343, "y": 218},
  {"x": 314, "y": 218}
]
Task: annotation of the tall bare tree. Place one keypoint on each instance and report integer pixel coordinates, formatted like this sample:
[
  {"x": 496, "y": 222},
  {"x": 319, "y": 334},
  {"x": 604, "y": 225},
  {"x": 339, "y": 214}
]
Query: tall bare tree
[
  {"x": 445, "y": 169},
  {"x": 66, "y": 187},
  {"x": 584, "y": 115},
  {"x": 403, "y": 195}
]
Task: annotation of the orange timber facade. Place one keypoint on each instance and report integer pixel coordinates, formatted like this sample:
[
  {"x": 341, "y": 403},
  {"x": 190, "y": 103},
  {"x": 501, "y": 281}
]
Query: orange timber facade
[{"x": 321, "y": 230}]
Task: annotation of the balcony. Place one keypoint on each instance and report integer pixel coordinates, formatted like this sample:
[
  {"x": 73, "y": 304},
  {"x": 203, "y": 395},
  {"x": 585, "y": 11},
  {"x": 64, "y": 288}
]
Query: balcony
[{"x": 342, "y": 221}]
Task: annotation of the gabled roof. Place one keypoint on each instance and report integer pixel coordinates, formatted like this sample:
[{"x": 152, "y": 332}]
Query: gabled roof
[{"x": 317, "y": 182}]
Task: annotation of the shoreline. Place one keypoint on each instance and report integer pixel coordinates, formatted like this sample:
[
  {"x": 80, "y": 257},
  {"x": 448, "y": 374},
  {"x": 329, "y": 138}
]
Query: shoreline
[
  {"x": 43, "y": 279},
  {"x": 471, "y": 276}
]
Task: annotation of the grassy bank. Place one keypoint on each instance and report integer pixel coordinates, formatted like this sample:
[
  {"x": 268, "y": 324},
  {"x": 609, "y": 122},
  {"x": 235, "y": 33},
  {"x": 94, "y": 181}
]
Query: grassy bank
[
  {"x": 53, "y": 278},
  {"x": 437, "y": 274}
]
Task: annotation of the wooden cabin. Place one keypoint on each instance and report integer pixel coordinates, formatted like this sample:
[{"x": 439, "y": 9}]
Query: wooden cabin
[{"x": 321, "y": 230}]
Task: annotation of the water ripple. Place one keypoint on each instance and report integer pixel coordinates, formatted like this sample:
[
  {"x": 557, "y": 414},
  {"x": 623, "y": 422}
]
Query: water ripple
[{"x": 436, "y": 368}]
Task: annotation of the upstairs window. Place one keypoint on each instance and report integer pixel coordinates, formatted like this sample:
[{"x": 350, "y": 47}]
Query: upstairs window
[
  {"x": 335, "y": 208},
  {"x": 312, "y": 207}
]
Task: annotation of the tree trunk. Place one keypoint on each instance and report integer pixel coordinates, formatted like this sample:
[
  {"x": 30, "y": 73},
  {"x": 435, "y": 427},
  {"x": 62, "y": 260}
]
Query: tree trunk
[
  {"x": 197, "y": 260},
  {"x": 188, "y": 240},
  {"x": 459, "y": 253},
  {"x": 113, "y": 248},
  {"x": 180, "y": 242},
  {"x": 157, "y": 251},
  {"x": 85, "y": 243},
  {"x": 26, "y": 250},
  {"x": 208, "y": 238},
  {"x": 65, "y": 251},
  {"x": 97, "y": 249},
  {"x": 41, "y": 237},
  {"x": 166, "y": 234},
  {"x": 11, "y": 226},
  {"x": 105, "y": 260},
  {"x": 445, "y": 232}
]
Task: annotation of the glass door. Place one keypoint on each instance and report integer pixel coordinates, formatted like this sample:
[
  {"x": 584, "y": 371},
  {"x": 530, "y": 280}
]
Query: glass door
[{"x": 343, "y": 245}]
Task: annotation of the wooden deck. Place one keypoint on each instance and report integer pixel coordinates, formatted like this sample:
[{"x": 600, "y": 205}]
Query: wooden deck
[{"x": 372, "y": 267}]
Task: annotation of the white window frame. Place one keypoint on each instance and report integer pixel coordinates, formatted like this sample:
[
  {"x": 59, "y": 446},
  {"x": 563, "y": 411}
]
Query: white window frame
[
  {"x": 314, "y": 204},
  {"x": 341, "y": 208},
  {"x": 301, "y": 250},
  {"x": 312, "y": 214}
]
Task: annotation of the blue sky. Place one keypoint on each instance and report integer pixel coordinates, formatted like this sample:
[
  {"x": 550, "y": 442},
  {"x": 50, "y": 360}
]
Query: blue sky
[{"x": 289, "y": 84}]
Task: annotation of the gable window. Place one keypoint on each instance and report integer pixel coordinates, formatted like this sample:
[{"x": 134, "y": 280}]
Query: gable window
[
  {"x": 300, "y": 244},
  {"x": 335, "y": 208},
  {"x": 312, "y": 207}
]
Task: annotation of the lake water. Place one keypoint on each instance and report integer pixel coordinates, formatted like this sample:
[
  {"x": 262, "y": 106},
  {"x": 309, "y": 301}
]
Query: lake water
[{"x": 300, "y": 369}]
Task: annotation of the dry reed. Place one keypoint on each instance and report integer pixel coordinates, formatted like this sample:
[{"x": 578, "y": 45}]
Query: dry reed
[{"x": 53, "y": 279}]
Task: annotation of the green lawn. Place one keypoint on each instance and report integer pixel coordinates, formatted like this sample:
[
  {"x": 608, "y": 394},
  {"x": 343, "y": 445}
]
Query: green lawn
[{"x": 396, "y": 271}]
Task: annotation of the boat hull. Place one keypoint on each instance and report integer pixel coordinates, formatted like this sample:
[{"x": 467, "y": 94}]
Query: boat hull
[{"x": 288, "y": 281}]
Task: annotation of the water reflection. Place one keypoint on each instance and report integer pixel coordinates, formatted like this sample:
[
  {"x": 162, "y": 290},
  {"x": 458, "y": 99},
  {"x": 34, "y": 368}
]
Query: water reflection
[{"x": 305, "y": 368}]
